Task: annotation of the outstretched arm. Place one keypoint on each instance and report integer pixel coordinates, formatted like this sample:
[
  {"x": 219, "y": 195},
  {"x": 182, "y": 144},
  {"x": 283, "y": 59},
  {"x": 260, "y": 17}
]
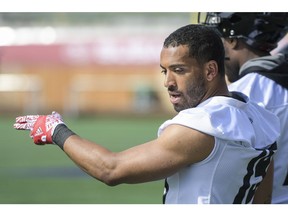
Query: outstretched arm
[{"x": 175, "y": 148}]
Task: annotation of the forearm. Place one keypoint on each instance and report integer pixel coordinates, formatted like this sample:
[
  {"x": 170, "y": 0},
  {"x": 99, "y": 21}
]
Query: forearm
[
  {"x": 90, "y": 157},
  {"x": 94, "y": 159}
]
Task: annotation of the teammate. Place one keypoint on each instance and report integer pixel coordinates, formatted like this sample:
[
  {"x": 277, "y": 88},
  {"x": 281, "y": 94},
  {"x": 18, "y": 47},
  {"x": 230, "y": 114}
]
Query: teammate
[
  {"x": 248, "y": 40},
  {"x": 217, "y": 149}
]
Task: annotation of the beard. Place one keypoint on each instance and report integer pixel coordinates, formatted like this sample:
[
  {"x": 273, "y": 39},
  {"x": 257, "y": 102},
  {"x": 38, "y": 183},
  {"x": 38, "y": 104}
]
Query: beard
[{"x": 193, "y": 96}]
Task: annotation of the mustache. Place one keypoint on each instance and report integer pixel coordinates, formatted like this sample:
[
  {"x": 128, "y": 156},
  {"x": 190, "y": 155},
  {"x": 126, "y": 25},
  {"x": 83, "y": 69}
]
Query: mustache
[
  {"x": 172, "y": 88},
  {"x": 173, "y": 91},
  {"x": 227, "y": 58}
]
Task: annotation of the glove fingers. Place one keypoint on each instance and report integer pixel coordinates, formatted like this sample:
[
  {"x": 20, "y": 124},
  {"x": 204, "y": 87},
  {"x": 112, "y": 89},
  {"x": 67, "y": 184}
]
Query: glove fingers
[
  {"x": 23, "y": 126},
  {"x": 27, "y": 118},
  {"x": 21, "y": 119}
]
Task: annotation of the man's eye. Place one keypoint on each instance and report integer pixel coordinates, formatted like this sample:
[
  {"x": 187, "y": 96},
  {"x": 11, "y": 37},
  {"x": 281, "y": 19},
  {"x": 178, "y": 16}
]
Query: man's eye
[
  {"x": 178, "y": 70},
  {"x": 163, "y": 71}
]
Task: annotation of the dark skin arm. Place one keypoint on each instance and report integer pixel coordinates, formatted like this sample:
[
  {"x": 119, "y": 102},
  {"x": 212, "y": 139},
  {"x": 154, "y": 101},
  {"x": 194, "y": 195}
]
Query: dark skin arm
[{"x": 263, "y": 193}]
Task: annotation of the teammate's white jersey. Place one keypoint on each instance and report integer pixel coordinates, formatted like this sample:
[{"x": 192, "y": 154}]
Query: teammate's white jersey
[
  {"x": 273, "y": 97},
  {"x": 233, "y": 170}
]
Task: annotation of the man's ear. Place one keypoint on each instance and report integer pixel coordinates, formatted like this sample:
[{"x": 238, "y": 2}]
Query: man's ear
[{"x": 211, "y": 70}]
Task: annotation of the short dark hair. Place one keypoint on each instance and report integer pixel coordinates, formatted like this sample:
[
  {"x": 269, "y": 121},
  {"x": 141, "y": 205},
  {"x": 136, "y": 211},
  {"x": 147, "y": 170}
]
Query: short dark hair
[{"x": 204, "y": 43}]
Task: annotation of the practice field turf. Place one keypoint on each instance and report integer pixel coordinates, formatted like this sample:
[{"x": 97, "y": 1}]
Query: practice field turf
[{"x": 31, "y": 174}]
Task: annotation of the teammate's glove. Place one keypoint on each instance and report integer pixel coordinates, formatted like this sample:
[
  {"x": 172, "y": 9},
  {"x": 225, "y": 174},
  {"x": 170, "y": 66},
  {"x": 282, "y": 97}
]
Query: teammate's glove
[{"x": 41, "y": 126}]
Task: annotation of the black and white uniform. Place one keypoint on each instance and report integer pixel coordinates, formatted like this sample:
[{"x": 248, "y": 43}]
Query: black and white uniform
[
  {"x": 259, "y": 86},
  {"x": 244, "y": 136}
]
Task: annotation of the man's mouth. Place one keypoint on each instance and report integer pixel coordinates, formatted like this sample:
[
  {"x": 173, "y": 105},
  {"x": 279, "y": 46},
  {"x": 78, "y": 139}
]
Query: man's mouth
[{"x": 174, "y": 97}]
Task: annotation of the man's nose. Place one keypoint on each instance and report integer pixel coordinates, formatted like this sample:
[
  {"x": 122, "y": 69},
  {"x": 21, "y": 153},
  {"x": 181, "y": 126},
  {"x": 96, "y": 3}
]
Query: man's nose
[{"x": 169, "y": 80}]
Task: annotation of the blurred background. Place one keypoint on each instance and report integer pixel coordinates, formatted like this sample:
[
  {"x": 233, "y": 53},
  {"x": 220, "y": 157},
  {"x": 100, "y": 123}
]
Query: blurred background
[
  {"x": 101, "y": 72},
  {"x": 79, "y": 63}
]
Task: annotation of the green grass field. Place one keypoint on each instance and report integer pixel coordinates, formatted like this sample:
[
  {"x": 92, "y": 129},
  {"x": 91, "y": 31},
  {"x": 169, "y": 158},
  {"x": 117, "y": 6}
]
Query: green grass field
[{"x": 31, "y": 174}]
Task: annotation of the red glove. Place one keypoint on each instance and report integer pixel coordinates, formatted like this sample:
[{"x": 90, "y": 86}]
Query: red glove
[{"x": 41, "y": 126}]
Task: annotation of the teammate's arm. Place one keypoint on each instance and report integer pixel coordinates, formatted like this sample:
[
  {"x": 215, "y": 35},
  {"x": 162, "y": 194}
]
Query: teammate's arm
[{"x": 263, "y": 194}]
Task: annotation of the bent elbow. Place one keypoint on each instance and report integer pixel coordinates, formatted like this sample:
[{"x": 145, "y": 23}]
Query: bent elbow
[
  {"x": 111, "y": 183},
  {"x": 111, "y": 180},
  {"x": 110, "y": 177},
  {"x": 107, "y": 171}
]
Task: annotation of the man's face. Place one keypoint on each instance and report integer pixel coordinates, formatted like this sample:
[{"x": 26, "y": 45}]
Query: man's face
[{"x": 184, "y": 77}]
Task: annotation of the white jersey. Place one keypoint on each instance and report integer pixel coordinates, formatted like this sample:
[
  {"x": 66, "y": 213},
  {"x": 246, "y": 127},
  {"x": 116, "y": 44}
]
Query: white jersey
[
  {"x": 273, "y": 97},
  {"x": 234, "y": 169}
]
